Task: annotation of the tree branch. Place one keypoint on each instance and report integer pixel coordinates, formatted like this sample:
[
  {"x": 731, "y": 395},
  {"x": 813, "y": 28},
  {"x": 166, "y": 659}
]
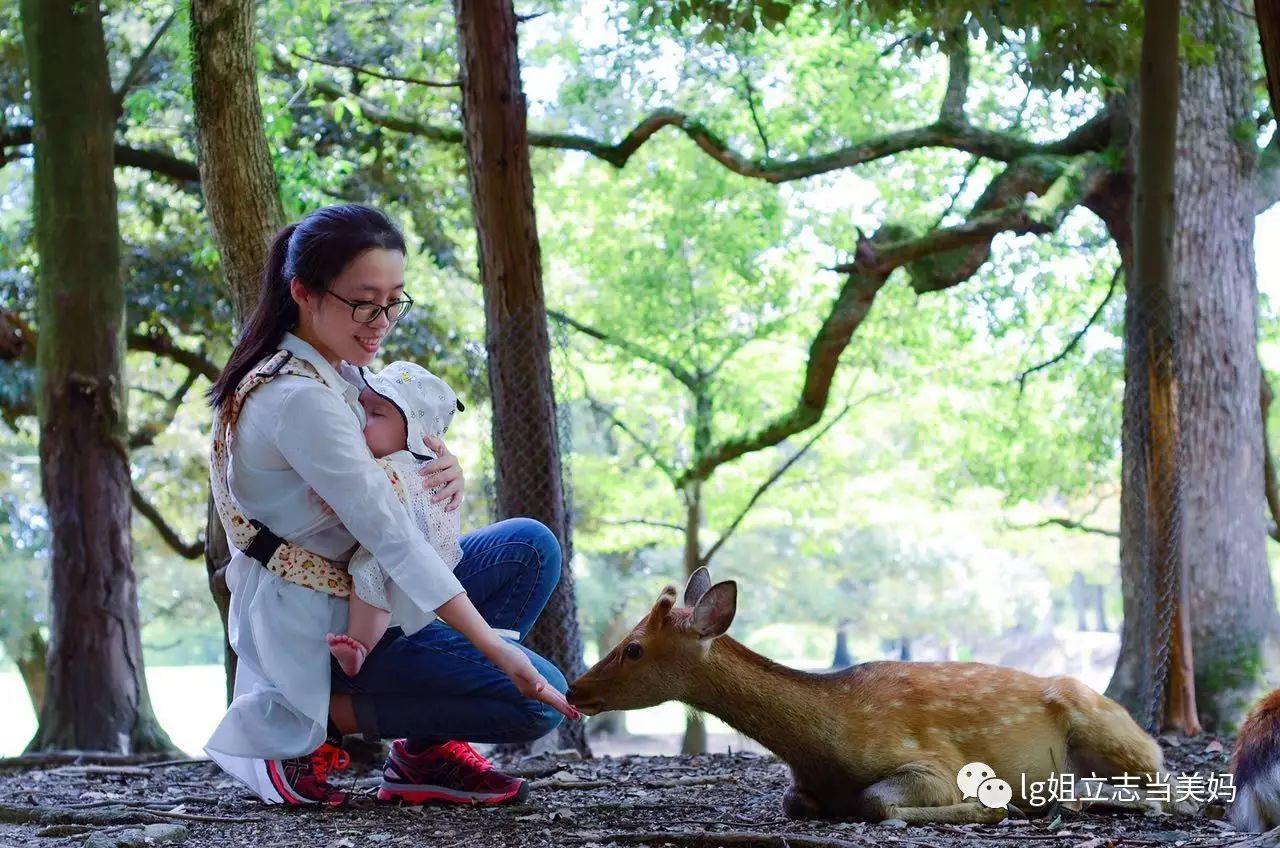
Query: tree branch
[
  {"x": 157, "y": 162},
  {"x": 750, "y": 92},
  {"x": 1069, "y": 524},
  {"x": 18, "y": 342},
  {"x": 182, "y": 171},
  {"x": 955, "y": 253},
  {"x": 1075, "y": 340},
  {"x": 957, "y": 49},
  {"x": 1064, "y": 186},
  {"x": 146, "y": 435},
  {"x": 1092, "y": 136},
  {"x": 360, "y": 69},
  {"x": 847, "y": 313},
  {"x": 645, "y": 522},
  {"x": 159, "y": 342},
  {"x": 666, "y": 363},
  {"x": 194, "y": 550},
  {"x": 705, "y": 559},
  {"x": 975, "y": 161},
  {"x": 136, "y": 68},
  {"x": 645, "y": 448}
]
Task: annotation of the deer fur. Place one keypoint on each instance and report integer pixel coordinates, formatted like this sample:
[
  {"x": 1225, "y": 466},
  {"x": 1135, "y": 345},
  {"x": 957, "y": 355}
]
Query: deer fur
[
  {"x": 877, "y": 741},
  {"x": 1255, "y": 766}
]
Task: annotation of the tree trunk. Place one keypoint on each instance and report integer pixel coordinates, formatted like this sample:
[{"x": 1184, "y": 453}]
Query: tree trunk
[
  {"x": 1235, "y": 632},
  {"x": 96, "y": 696},
  {"x": 236, "y": 174},
  {"x": 1080, "y": 599},
  {"x": 1152, "y": 678},
  {"x": 526, "y": 445},
  {"x": 842, "y": 658},
  {"x": 1235, "y": 627},
  {"x": 1156, "y": 428},
  {"x": 695, "y": 727},
  {"x": 240, "y": 195}
]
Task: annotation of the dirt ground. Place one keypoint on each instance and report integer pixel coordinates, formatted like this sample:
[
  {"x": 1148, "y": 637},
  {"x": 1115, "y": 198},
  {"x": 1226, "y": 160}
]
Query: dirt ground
[{"x": 727, "y": 799}]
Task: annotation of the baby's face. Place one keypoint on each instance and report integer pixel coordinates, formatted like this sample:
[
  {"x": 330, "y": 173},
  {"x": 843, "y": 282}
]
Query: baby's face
[{"x": 384, "y": 429}]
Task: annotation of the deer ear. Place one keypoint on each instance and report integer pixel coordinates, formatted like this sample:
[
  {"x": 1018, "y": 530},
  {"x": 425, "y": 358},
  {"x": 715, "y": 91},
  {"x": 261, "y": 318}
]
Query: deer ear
[
  {"x": 658, "y": 615},
  {"x": 699, "y": 583},
  {"x": 715, "y": 609}
]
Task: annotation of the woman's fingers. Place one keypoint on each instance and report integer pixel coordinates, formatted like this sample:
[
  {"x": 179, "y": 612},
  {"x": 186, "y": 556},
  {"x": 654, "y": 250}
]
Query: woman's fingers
[
  {"x": 530, "y": 682},
  {"x": 552, "y": 697}
]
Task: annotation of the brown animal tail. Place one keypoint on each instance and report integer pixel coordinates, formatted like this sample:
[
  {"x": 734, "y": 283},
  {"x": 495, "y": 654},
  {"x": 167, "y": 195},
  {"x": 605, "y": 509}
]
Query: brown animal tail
[{"x": 1255, "y": 764}]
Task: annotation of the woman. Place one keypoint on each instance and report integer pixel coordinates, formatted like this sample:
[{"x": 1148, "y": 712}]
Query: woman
[{"x": 332, "y": 288}]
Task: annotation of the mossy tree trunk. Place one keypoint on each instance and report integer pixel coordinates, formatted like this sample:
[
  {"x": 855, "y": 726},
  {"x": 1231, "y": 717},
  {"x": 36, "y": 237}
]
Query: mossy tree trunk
[
  {"x": 1234, "y": 626},
  {"x": 240, "y": 194},
  {"x": 526, "y": 444},
  {"x": 96, "y": 693}
]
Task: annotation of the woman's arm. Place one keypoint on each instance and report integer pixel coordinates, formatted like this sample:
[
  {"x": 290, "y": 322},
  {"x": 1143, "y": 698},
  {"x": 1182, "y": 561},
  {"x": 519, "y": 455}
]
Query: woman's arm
[
  {"x": 460, "y": 614},
  {"x": 318, "y": 435}
]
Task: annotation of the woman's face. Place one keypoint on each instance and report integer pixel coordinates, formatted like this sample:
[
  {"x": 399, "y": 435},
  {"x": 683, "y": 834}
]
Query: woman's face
[{"x": 324, "y": 320}]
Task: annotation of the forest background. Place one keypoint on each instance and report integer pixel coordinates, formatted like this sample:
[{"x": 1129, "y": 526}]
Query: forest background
[{"x": 959, "y": 498}]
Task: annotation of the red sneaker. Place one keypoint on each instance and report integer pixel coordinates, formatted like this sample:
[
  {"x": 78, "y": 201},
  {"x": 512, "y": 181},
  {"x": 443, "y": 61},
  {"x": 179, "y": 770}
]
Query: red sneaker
[
  {"x": 305, "y": 780},
  {"x": 452, "y": 773}
]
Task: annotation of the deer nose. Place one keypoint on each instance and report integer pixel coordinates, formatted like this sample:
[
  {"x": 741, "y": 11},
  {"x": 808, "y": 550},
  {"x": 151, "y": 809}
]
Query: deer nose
[{"x": 570, "y": 694}]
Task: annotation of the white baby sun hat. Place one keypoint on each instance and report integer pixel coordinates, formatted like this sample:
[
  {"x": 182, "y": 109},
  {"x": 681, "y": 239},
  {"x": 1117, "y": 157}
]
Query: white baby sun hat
[{"x": 426, "y": 402}]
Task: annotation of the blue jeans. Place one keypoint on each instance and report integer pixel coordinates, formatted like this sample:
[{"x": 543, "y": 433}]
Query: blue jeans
[{"x": 434, "y": 686}]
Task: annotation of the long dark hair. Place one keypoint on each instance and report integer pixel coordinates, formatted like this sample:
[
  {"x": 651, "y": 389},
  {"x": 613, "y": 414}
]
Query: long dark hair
[{"x": 315, "y": 250}]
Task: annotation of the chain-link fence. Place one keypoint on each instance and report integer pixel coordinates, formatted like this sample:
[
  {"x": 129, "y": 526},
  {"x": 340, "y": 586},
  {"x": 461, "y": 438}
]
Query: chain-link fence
[{"x": 526, "y": 468}]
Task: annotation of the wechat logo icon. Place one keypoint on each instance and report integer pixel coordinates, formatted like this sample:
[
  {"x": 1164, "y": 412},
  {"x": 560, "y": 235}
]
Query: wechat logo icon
[{"x": 978, "y": 780}]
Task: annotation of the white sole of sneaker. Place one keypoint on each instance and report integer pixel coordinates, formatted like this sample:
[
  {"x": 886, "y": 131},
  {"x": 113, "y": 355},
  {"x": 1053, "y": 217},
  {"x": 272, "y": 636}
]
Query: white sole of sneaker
[{"x": 424, "y": 793}]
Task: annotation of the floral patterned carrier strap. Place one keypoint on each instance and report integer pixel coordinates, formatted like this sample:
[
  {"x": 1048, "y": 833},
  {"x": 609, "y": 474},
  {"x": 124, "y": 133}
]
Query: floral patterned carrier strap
[{"x": 288, "y": 561}]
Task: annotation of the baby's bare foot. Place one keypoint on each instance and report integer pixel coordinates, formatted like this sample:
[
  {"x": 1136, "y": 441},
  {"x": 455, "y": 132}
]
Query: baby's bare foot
[{"x": 349, "y": 653}]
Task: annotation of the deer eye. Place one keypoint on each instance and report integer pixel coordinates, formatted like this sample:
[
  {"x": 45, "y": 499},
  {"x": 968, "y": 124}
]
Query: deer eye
[{"x": 633, "y": 652}]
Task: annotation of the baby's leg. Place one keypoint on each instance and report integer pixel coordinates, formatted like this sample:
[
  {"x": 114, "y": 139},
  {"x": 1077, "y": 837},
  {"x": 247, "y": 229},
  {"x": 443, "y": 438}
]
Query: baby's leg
[{"x": 365, "y": 626}]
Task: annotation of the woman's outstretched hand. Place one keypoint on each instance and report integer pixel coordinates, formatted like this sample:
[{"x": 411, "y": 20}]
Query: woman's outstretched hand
[
  {"x": 443, "y": 472},
  {"x": 530, "y": 682},
  {"x": 459, "y": 613}
]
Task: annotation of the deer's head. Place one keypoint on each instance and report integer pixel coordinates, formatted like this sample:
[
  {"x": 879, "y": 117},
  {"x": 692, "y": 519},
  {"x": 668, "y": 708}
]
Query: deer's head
[{"x": 659, "y": 659}]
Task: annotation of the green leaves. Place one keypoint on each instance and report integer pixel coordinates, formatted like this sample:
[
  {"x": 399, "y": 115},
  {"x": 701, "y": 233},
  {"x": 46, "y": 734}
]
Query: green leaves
[{"x": 1064, "y": 46}]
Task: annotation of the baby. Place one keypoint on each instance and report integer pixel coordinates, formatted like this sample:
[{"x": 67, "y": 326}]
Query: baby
[{"x": 403, "y": 403}]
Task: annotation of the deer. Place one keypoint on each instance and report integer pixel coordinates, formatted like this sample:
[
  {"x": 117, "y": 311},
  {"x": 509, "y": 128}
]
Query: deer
[{"x": 881, "y": 740}]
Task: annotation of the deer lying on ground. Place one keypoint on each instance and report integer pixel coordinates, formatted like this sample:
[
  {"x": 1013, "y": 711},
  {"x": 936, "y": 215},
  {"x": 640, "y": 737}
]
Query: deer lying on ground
[{"x": 882, "y": 740}]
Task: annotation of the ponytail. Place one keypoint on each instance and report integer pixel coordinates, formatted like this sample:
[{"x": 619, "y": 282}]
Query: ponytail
[{"x": 275, "y": 315}]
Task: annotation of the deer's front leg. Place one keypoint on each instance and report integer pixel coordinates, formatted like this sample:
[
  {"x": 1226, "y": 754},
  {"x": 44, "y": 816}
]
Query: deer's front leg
[{"x": 921, "y": 794}]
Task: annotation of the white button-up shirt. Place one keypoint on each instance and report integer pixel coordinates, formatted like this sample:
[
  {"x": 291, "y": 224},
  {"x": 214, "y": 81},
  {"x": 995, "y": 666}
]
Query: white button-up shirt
[{"x": 295, "y": 437}]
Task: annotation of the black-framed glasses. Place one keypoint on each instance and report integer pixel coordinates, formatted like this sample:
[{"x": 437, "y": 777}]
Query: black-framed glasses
[{"x": 364, "y": 312}]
